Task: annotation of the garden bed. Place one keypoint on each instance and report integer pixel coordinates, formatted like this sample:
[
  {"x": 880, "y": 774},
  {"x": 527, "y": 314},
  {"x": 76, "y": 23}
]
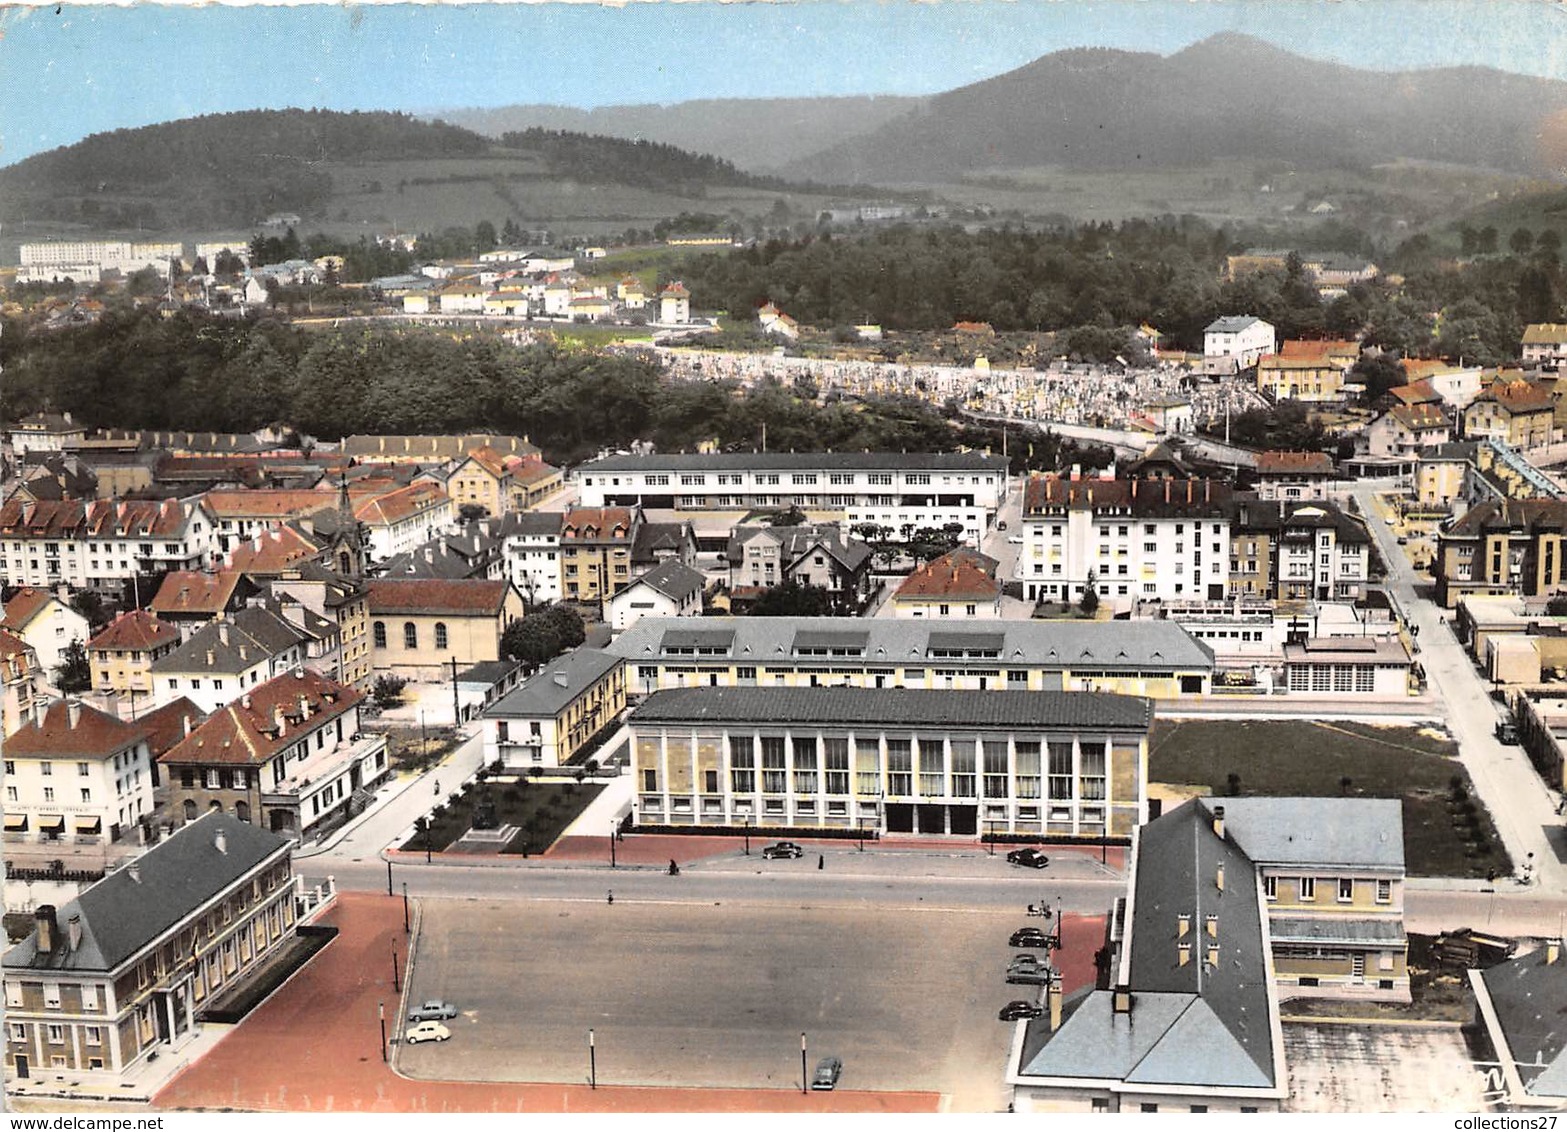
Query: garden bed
[{"x": 540, "y": 810}]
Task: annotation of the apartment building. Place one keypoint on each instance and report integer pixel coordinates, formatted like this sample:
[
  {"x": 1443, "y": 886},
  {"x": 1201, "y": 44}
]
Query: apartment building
[
  {"x": 287, "y": 755},
  {"x": 77, "y": 775},
  {"x": 498, "y": 483},
  {"x": 1236, "y": 342},
  {"x": 896, "y": 490},
  {"x": 22, "y": 682},
  {"x": 1407, "y": 431},
  {"x": 343, "y": 600},
  {"x": 103, "y": 545},
  {"x": 115, "y": 977},
  {"x": 122, "y": 653},
  {"x": 552, "y": 716},
  {"x": 531, "y": 553},
  {"x": 960, "y": 584},
  {"x": 1517, "y": 413},
  {"x": 228, "y": 656},
  {"x": 1312, "y": 379},
  {"x": 46, "y": 621},
  {"x": 761, "y": 557},
  {"x": 1294, "y": 475},
  {"x": 595, "y": 551},
  {"x": 1134, "y": 540},
  {"x": 1502, "y": 546},
  {"x": 1544, "y": 344},
  {"x": 1293, "y": 552},
  {"x": 1141, "y": 658},
  {"x": 890, "y": 760}
]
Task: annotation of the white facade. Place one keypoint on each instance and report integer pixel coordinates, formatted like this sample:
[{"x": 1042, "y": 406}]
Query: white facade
[
  {"x": 111, "y": 792},
  {"x": 51, "y": 631},
  {"x": 533, "y": 566},
  {"x": 81, "y": 559},
  {"x": 639, "y": 600},
  {"x": 86, "y": 260},
  {"x": 389, "y": 536},
  {"x": 929, "y": 491},
  {"x": 1238, "y": 343},
  {"x": 1130, "y": 557}
]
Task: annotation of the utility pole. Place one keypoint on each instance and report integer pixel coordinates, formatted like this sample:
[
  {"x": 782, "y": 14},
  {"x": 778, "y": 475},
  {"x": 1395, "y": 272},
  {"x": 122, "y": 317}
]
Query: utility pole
[{"x": 456, "y": 703}]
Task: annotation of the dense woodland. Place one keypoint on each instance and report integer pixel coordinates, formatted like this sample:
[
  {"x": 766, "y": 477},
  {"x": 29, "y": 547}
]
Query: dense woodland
[{"x": 136, "y": 370}]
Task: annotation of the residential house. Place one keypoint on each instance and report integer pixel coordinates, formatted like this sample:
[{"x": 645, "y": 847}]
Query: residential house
[
  {"x": 46, "y": 432},
  {"x": 1544, "y": 344},
  {"x": 671, "y": 589},
  {"x": 288, "y": 755},
  {"x": 77, "y": 773},
  {"x": 595, "y": 551},
  {"x": 115, "y": 977},
  {"x": 892, "y": 760},
  {"x": 954, "y": 585},
  {"x": 557, "y": 712},
  {"x": 771, "y": 320},
  {"x": 397, "y": 521},
  {"x": 631, "y": 293},
  {"x": 103, "y": 545},
  {"x": 462, "y": 296},
  {"x": 1516, "y": 413},
  {"x": 531, "y": 553},
  {"x": 342, "y": 599},
  {"x": 473, "y": 552},
  {"x": 674, "y": 304},
  {"x": 761, "y": 557},
  {"x": 1297, "y": 552},
  {"x": 1318, "y": 379},
  {"x": 901, "y": 490},
  {"x": 1153, "y": 658},
  {"x": 1236, "y": 342},
  {"x": 22, "y": 682},
  {"x": 1294, "y": 475},
  {"x": 420, "y": 627},
  {"x": 228, "y": 657},
  {"x": 46, "y": 622},
  {"x": 189, "y": 599},
  {"x": 49, "y": 477},
  {"x": 1457, "y": 386},
  {"x": 1136, "y": 540},
  {"x": 498, "y": 484},
  {"x": 123, "y": 652},
  {"x": 272, "y": 553},
  {"x": 1502, "y": 546}
]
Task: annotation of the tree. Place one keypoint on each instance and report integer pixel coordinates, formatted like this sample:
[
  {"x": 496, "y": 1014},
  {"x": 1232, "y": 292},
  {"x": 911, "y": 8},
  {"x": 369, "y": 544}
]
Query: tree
[
  {"x": 1521, "y": 241},
  {"x": 388, "y": 691},
  {"x": 1378, "y": 373},
  {"x": 794, "y": 600},
  {"x": 1088, "y": 604},
  {"x": 74, "y": 672},
  {"x": 90, "y": 606},
  {"x": 540, "y": 637}
]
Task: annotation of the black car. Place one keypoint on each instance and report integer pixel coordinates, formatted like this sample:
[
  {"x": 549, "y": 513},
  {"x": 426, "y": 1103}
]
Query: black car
[
  {"x": 783, "y": 851},
  {"x": 1030, "y": 976},
  {"x": 1030, "y": 857},
  {"x": 1018, "y": 1008},
  {"x": 1028, "y": 938}
]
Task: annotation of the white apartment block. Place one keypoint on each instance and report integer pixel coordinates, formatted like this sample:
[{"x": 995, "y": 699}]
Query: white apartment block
[
  {"x": 531, "y": 546},
  {"x": 100, "y": 544},
  {"x": 1136, "y": 540},
  {"x": 86, "y": 260},
  {"x": 896, "y": 490},
  {"x": 1236, "y": 343},
  {"x": 76, "y": 775}
]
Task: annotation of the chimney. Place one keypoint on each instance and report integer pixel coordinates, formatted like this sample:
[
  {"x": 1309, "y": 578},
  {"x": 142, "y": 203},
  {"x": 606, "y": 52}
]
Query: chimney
[
  {"x": 1188, "y": 491},
  {"x": 73, "y": 931},
  {"x": 1218, "y": 822},
  {"x": 223, "y": 633},
  {"x": 220, "y": 843},
  {"x": 1053, "y": 996},
  {"x": 73, "y": 713},
  {"x": 1167, "y": 491},
  {"x": 185, "y": 720},
  {"x": 1553, "y": 950},
  {"x": 1212, "y": 922},
  {"x": 1183, "y": 925},
  {"x": 1134, "y": 489},
  {"x": 48, "y": 928},
  {"x": 212, "y": 658},
  {"x": 278, "y": 722},
  {"x": 1121, "y": 999},
  {"x": 244, "y": 702},
  {"x": 1218, "y": 878},
  {"x": 1186, "y": 953},
  {"x": 304, "y": 706}
]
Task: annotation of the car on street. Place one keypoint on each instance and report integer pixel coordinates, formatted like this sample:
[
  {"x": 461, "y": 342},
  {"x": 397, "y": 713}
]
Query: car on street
[
  {"x": 828, "y": 1070},
  {"x": 1031, "y": 857},
  {"x": 426, "y": 1032},
  {"x": 1027, "y": 960},
  {"x": 1507, "y": 732},
  {"x": 1018, "y": 1008},
  {"x": 1029, "y": 937},
  {"x": 782, "y": 851},
  {"x": 432, "y": 1011},
  {"x": 1030, "y": 976}
]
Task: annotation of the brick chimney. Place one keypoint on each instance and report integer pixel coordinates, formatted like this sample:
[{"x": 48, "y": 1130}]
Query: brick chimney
[
  {"x": 48, "y": 928},
  {"x": 73, "y": 713},
  {"x": 73, "y": 931},
  {"x": 1218, "y": 822}
]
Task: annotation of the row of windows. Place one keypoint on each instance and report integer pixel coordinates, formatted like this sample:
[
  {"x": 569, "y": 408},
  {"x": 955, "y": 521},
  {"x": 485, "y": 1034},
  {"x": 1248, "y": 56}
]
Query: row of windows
[
  {"x": 1306, "y": 889},
  {"x": 410, "y": 635}
]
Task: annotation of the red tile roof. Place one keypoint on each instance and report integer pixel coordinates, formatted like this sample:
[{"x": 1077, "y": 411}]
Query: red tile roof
[
  {"x": 951, "y": 576},
  {"x": 92, "y": 734},
  {"x": 1422, "y": 392},
  {"x": 462, "y": 597},
  {"x": 1135, "y": 497},
  {"x": 397, "y": 505},
  {"x": 96, "y": 518},
  {"x": 1281, "y": 463},
  {"x": 268, "y": 503},
  {"x": 136, "y": 631},
  {"x": 603, "y": 520},
  {"x": 272, "y": 552},
  {"x": 1417, "y": 418},
  {"x": 169, "y": 724},
  {"x": 1518, "y": 397},
  {"x": 265, "y": 721},
  {"x": 191, "y": 591},
  {"x": 1318, "y": 348},
  {"x": 17, "y": 658},
  {"x": 27, "y": 603}
]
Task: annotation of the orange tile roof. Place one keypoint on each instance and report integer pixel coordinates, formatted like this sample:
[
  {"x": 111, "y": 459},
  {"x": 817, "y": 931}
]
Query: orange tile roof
[
  {"x": 457, "y": 597},
  {"x": 603, "y": 520},
  {"x": 17, "y": 658},
  {"x": 1318, "y": 348},
  {"x": 951, "y": 576},
  {"x": 1416, "y": 392},
  {"x": 490, "y": 460},
  {"x": 272, "y": 552},
  {"x": 268, "y": 503},
  {"x": 27, "y": 603},
  {"x": 97, "y": 518},
  {"x": 1418, "y": 417},
  {"x": 264, "y": 722},
  {"x": 1519, "y": 397},
  {"x": 397, "y": 505},
  {"x": 1278, "y": 463},
  {"x": 92, "y": 734},
  {"x": 136, "y": 631},
  {"x": 192, "y": 591}
]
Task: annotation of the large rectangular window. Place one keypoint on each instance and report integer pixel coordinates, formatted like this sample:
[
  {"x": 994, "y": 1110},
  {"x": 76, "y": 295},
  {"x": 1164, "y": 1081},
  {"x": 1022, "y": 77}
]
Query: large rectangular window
[
  {"x": 742, "y": 765},
  {"x": 997, "y": 771},
  {"x": 774, "y": 770},
  {"x": 933, "y": 767},
  {"x": 963, "y": 767},
  {"x": 900, "y": 768},
  {"x": 867, "y": 766},
  {"x": 1091, "y": 769},
  {"x": 835, "y": 758},
  {"x": 1027, "y": 768},
  {"x": 1061, "y": 770},
  {"x": 804, "y": 764}
]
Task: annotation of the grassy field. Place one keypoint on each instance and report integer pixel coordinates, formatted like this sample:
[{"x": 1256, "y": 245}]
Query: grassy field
[
  {"x": 596, "y": 336},
  {"x": 1447, "y": 832},
  {"x": 541, "y": 811},
  {"x": 1437, "y": 993}
]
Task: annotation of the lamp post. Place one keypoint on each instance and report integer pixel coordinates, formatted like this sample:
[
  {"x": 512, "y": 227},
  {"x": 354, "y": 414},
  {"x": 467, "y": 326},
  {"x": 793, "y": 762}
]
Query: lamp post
[
  {"x": 804, "y": 1082},
  {"x": 860, "y": 823},
  {"x": 990, "y": 838},
  {"x": 396, "y": 979},
  {"x": 383, "y": 1031},
  {"x": 747, "y": 835},
  {"x": 389, "y": 877},
  {"x": 593, "y": 1064},
  {"x": 612, "y": 863},
  {"x": 405, "y": 907}
]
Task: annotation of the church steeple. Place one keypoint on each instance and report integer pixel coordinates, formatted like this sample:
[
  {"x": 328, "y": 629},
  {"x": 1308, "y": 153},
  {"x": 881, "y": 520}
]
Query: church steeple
[{"x": 350, "y": 544}]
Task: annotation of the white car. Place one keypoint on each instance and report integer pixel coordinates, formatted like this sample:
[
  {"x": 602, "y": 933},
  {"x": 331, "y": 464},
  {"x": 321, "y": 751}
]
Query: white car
[
  {"x": 1015, "y": 540},
  {"x": 426, "y": 1032}
]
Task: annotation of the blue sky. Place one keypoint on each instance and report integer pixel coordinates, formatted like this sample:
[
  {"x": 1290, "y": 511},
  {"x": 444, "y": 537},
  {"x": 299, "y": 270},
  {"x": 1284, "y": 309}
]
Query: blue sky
[{"x": 90, "y": 69}]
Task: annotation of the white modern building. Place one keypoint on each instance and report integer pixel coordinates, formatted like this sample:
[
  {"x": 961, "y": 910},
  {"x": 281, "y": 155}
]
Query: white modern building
[
  {"x": 531, "y": 547},
  {"x": 76, "y": 775},
  {"x": 670, "y": 589},
  {"x": 1236, "y": 342},
  {"x": 100, "y": 543},
  {"x": 892, "y": 489}
]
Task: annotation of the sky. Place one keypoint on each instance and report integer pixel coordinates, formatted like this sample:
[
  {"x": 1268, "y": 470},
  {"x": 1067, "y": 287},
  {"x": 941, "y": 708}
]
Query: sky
[{"x": 72, "y": 70}]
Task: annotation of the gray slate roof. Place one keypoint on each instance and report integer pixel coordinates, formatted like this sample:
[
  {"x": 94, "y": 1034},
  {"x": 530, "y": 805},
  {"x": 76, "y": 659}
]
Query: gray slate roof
[
  {"x": 1231, "y": 324},
  {"x": 1387, "y": 930},
  {"x": 896, "y": 707},
  {"x": 1151, "y": 645},
  {"x": 121, "y": 915},
  {"x": 1530, "y": 999},
  {"x": 1363, "y": 832},
  {"x": 673, "y": 579},
  {"x": 555, "y": 685},
  {"x": 259, "y": 631},
  {"x": 798, "y": 461}
]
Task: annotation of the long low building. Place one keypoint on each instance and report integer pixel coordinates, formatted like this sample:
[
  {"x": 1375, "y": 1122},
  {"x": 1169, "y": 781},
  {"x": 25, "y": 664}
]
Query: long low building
[
  {"x": 890, "y": 489},
  {"x": 1138, "y": 658},
  {"x": 891, "y": 760}
]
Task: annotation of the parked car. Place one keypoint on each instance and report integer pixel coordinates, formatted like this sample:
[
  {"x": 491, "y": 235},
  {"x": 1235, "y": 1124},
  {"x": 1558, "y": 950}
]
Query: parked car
[
  {"x": 1018, "y": 1008},
  {"x": 426, "y": 1032},
  {"x": 1029, "y": 938},
  {"x": 432, "y": 1011},
  {"x": 783, "y": 850},
  {"x": 828, "y": 1070},
  {"x": 1506, "y": 732},
  {"x": 1027, "y": 959},
  {"x": 1030, "y": 976},
  {"x": 1031, "y": 857}
]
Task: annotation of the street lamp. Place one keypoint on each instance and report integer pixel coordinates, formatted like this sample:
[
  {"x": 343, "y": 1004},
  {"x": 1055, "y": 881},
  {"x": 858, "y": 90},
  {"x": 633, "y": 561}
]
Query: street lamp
[
  {"x": 405, "y": 907},
  {"x": 803, "y": 1076},
  {"x": 383, "y": 1031},
  {"x": 396, "y": 979},
  {"x": 747, "y": 835},
  {"x": 612, "y": 863},
  {"x": 990, "y": 839},
  {"x": 593, "y": 1065}
]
